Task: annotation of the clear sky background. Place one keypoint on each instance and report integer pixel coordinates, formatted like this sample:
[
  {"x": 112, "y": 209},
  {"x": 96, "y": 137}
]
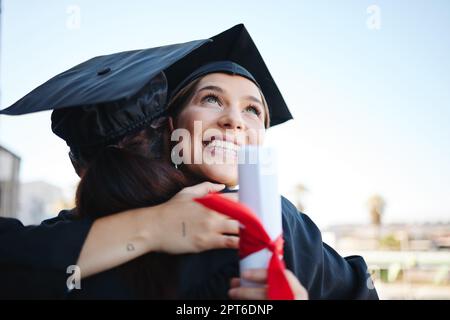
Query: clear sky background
[{"x": 371, "y": 106}]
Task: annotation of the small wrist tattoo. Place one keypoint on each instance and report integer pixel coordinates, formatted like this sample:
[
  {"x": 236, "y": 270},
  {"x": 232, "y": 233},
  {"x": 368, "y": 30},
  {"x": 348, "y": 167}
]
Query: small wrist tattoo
[{"x": 130, "y": 247}]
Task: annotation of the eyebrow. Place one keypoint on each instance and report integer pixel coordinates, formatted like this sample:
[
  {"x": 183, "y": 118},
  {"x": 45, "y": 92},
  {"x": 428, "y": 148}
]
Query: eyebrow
[
  {"x": 213, "y": 88},
  {"x": 219, "y": 89}
]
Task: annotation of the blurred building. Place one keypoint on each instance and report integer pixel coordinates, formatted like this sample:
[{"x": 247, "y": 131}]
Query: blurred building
[
  {"x": 9, "y": 183},
  {"x": 9, "y": 169},
  {"x": 411, "y": 237},
  {"x": 0, "y": 41},
  {"x": 40, "y": 200},
  {"x": 407, "y": 261},
  {"x": 29, "y": 202}
]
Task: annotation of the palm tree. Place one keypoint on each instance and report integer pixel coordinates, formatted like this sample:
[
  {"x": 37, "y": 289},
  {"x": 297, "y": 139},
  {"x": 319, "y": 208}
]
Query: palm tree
[
  {"x": 376, "y": 206},
  {"x": 298, "y": 192}
]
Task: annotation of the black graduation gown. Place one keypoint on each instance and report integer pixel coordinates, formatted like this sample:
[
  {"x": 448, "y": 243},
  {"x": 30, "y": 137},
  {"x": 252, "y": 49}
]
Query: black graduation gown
[
  {"x": 320, "y": 269},
  {"x": 34, "y": 259},
  {"x": 323, "y": 272}
]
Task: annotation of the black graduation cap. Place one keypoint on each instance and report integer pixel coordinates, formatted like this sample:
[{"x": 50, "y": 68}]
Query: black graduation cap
[{"x": 106, "y": 97}]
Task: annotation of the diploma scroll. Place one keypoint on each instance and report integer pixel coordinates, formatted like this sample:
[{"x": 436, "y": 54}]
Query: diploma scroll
[{"x": 258, "y": 190}]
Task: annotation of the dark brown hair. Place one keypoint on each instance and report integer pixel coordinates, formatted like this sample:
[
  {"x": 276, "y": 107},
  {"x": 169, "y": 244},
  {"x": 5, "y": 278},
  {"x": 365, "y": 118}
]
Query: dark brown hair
[{"x": 124, "y": 177}]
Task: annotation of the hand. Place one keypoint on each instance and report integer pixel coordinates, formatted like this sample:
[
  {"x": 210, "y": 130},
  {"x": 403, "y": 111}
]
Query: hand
[
  {"x": 260, "y": 293},
  {"x": 181, "y": 225}
]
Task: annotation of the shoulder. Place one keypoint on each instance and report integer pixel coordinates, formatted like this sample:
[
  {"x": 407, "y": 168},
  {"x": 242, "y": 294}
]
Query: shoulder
[
  {"x": 297, "y": 221},
  {"x": 12, "y": 224},
  {"x": 303, "y": 239},
  {"x": 66, "y": 215},
  {"x": 9, "y": 224}
]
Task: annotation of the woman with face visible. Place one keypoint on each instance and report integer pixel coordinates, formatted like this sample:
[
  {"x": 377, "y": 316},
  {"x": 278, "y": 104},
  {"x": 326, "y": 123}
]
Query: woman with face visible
[{"x": 222, "y": 112}]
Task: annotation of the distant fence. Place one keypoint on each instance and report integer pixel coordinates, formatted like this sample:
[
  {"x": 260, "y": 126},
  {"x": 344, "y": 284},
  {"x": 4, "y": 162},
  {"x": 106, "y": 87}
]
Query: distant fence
[
  {"x": 413, "y": 266},
  {"x": 384, "y": 259}
]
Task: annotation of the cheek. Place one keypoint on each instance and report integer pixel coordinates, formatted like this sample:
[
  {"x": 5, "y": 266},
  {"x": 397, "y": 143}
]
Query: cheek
[
  {"x": 193, "y": 114},
  {"x": 184, "y": 120},
  {"x": 256, "y": 133},
  {"x": 194, "y": 120}
]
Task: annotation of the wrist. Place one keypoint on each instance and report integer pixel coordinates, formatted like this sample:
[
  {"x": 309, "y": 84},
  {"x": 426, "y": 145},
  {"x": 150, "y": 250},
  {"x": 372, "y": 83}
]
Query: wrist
[{"x": 148, "y": 227}]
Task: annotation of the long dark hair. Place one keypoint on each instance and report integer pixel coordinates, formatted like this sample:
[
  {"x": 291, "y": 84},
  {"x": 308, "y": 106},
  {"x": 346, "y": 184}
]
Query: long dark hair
[{"x": 126, "y": 176}]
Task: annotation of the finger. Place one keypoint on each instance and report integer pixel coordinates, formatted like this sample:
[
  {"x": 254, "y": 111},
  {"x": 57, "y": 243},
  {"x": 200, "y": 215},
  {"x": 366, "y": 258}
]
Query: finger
[
  {"x": 235, "y": 282},
  {"x": 243, "y": 293},
  {"x": 255, "y": 275},
  {"x": 228, "y": 226},
  {"x": 224, "y": 241},
  {"x": 299, "y": 291},
  {"x": 204, "y": 188}
]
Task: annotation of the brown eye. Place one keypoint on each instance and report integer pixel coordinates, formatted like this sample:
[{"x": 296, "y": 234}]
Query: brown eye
[{"x": 253, "y": 109}]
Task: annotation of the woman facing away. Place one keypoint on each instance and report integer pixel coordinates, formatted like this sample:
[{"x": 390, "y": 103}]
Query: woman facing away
[{"x": 221, "y": 107}]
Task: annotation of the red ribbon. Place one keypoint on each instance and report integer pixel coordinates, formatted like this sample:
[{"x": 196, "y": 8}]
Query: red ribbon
[{"x": 253, "y": 238}]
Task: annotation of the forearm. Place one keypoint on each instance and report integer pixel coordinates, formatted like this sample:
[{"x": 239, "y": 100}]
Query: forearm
[
  {"x": 117, "y": 239},
  {"x": 177, "y": 226}
]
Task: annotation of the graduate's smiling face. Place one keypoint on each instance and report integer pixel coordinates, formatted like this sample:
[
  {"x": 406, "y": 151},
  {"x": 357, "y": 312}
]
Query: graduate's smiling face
[{"x": 222, "y": 113}]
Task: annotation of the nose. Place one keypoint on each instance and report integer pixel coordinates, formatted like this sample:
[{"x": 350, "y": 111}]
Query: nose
[{"x": 231, "y": 119}]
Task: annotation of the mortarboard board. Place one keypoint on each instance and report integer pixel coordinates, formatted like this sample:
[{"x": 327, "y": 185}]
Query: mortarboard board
[{"x": 107, "y": 97}]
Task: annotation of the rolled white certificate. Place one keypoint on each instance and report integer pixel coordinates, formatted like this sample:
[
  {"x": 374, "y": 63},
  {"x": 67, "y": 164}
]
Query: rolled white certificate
[{"x": 258, "y": 190}]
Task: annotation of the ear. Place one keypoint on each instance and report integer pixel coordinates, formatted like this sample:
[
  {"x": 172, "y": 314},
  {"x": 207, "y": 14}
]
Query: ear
[
  {"x": 170, "y": 122},
  {"x": 76, "y": 165},
  {"x": 167, "y": 133},
  {"x": 168, "y": 128}
]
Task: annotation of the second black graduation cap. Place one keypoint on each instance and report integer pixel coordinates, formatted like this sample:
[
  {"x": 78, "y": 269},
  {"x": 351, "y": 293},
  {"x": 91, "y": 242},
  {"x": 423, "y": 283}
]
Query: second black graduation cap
[{"x": 106, "y": 97}]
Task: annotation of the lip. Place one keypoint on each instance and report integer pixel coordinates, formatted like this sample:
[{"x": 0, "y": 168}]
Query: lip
[
  {"x": 225, "y": 150},
  {"x": 224, "y": 137}
]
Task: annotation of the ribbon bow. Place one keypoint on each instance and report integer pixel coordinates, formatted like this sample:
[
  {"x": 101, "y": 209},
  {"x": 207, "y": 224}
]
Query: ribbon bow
[{"x": 253, "y": 238}]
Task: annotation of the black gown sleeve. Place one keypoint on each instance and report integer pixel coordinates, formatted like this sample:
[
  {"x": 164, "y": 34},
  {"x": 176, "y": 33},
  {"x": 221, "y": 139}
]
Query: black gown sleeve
[
  {"x": 34, "y": 259},
  {"x": 320, "y": 269}
]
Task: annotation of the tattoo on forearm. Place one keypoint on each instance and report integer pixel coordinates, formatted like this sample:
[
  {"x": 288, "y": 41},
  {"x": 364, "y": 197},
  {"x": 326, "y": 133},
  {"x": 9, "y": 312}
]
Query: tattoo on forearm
[
  {"x": 130, "y": 247},
  {"x": 183, "y": 228}
]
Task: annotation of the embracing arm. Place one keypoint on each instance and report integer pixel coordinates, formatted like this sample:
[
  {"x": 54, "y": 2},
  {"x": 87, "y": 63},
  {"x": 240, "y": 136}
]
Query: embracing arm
[
  {"x": 177, "y": 226},
  {"x": 35, "y": 258},
  {"x": 114, "y": 240}
]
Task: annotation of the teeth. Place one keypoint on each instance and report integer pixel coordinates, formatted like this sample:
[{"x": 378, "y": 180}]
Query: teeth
[{"x": 223, "y": 144}]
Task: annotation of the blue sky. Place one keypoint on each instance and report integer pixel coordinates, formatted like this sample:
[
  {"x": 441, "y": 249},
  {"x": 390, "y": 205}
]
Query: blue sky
[{"x": 371, "y": 107}]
